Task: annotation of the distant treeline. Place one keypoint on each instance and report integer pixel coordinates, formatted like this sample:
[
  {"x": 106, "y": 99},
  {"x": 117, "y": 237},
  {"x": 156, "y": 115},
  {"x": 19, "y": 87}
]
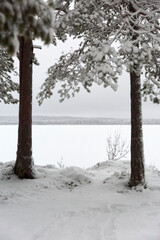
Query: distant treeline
[{"x": 50, "y": 120}]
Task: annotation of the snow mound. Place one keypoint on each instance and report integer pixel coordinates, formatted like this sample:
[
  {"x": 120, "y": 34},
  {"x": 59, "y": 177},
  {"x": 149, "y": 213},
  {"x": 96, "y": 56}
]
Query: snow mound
[
  {"x": 67, "y": 178},
  {"x": 110, "y": 164},
  {"x": 74, "y": 176},
  {"x": 6, "y": 170},
  {"x": 50, "y": 166}
]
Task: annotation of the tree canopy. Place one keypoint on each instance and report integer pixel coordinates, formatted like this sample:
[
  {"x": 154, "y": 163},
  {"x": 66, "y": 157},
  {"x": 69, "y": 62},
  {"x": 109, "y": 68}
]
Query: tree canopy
[
  {"x": 20, "y": 18},
  {"x": 105, "y": 29},
  {"x": 25, "y": 18}
]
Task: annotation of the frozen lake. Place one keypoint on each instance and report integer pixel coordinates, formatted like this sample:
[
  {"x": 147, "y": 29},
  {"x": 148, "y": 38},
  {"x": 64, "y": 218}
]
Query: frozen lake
[{"x": 76, "y": 145}]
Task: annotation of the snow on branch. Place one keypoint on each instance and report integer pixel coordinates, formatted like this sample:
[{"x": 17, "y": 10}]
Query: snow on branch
[
  {"x": 28, "y": 18},
  {"x": 7, "y": 86},
  {"x": 106, "y": 30}
]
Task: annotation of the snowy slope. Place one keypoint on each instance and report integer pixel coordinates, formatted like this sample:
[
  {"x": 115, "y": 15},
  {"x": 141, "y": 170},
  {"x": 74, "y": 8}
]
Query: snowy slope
[{"x": 79, "y": 204}]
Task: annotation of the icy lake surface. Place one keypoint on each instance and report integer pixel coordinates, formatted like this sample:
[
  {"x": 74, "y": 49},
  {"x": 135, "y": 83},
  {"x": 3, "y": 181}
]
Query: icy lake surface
[{"x": 81, "y": 146}]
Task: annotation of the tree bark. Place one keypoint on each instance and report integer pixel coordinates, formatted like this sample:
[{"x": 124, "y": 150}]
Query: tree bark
[
  {"x": 23, "y": 166},
  {"x": 137, "y": 152}
]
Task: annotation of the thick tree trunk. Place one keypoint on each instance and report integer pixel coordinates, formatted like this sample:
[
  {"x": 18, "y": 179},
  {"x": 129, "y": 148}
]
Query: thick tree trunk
[
  {"x": 23, "y": 166},
  {"x": 137, "y": 153}
]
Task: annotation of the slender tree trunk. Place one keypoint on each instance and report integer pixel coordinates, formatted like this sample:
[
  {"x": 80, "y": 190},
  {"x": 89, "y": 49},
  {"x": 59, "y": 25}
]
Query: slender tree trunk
[
  {"x": 23, "y": 166},
  {"x": 137, "y": 152}
]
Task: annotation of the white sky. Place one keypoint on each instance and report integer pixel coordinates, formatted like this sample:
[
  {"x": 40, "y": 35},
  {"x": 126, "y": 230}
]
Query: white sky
[{"x": 101, "y": 102}]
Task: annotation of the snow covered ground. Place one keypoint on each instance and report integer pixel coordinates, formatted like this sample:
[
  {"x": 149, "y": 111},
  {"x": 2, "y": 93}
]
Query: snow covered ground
[{"x": 79, "y": 204}]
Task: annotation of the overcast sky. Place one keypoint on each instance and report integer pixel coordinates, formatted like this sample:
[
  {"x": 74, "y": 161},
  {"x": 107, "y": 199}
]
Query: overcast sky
[{"x": 101, "y": 102}]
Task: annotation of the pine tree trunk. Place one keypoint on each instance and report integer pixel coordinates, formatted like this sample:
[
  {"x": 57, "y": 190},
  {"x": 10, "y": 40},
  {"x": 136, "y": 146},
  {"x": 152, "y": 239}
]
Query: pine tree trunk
[
  {"x": 23, "y": 166},
  {"x": 137, "y": 153}
]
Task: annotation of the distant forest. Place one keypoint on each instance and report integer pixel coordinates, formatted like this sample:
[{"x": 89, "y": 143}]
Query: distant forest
[{"x": 51, "y": 120}]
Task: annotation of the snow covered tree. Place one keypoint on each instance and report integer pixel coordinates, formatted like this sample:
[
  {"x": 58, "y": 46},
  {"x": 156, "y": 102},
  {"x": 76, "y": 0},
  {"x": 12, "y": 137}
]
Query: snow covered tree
[
  {"x": 21, "y": 21},
  {"x": 114, "y": 35},
  {"x": 7, "y": 86},
  {"x": 35, "y": 20},
  {"x": 144, "y": 22}
]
